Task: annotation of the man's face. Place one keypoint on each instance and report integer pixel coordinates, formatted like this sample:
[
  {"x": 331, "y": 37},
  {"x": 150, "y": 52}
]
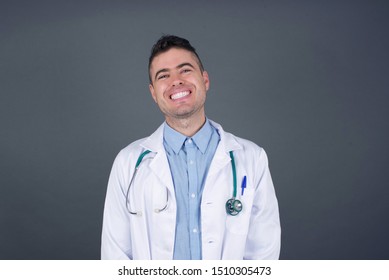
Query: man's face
[{"x": 178, "y": 85}]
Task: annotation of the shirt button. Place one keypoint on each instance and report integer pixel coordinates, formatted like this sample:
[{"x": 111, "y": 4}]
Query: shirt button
[
  {"x": 191, "y": 161},
  {"x": 193, "y": 195},
  {"x": 189, "y": 141},
  {"x": 194, "y": 230}
]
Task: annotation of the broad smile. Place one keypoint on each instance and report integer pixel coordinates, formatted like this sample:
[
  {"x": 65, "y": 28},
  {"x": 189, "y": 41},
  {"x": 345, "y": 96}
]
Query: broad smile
[{"x": 180, "y": 94}]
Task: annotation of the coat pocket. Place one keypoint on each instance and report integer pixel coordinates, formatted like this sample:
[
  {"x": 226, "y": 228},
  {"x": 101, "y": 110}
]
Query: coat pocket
[{"x": 240, "y": 223}]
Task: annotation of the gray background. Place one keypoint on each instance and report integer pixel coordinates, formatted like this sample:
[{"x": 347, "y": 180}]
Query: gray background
[{"x": 306, "y": 80}]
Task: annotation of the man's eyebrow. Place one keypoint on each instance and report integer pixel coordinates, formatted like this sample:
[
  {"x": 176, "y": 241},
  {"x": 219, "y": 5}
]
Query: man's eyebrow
[
  {"x": 184, "y": 64},
  {"x": 178, "y": 67},
  {"x": 160, "y": 71}
]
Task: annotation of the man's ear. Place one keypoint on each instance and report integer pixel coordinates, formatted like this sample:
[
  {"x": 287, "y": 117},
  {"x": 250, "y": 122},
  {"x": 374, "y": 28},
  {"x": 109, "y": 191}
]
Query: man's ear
[
  {"x": 206, "y": 80},
  {"x": 151, "y": 88}
]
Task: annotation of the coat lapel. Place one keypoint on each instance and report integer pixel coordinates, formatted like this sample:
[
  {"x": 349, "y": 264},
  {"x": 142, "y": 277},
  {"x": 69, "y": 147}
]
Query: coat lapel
[
  {"x": 159, "y": 165},
  {"x": 222, "y": 158}
]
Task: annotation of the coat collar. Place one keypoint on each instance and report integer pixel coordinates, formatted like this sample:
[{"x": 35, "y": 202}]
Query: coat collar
[
  {"x": 160, "y": 165},
  {"x": 154, "y": 142},
  {"x": 227, "y": 143}
]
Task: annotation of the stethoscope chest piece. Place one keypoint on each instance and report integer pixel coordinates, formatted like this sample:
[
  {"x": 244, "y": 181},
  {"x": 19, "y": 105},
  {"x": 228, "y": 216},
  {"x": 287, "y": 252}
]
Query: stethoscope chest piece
[{"x": 233, "y": 206}]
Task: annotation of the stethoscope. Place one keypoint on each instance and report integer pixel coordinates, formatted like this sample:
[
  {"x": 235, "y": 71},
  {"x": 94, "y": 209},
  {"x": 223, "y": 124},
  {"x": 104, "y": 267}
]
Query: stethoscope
[{"x": 233, "y": 206}]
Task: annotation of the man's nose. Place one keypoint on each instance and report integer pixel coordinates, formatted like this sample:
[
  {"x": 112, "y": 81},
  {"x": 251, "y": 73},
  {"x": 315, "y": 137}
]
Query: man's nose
[{"x": 176, "y": 80}]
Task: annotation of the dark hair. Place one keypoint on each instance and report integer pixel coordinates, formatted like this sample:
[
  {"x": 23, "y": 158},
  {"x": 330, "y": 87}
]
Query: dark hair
[{"x": 166, "y": 42}]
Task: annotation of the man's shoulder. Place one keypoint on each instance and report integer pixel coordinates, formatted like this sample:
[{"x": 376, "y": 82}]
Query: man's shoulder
[
  {"x": 250, "y": 154},
  {"x": 133, "y": 146},
  {"x": 130, "y": 151},
  {"x": 248, "y": 145},
  {"x": 232, "y": 141},
  {"x": 150, "y": 142}
]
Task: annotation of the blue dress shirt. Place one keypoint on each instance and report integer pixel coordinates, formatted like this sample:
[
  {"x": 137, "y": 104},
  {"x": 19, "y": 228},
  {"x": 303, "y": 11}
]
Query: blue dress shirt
[{"x": 189, "y": 160}]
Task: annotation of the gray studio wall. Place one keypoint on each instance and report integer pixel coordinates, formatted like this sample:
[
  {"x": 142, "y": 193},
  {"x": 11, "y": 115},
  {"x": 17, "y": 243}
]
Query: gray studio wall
[{"x": 306, "y": 80}]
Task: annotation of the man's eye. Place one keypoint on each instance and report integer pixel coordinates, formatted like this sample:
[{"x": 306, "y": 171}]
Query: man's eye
[
  {"x": 162, "y": 77},
  {"x": 186, "y": 70}
]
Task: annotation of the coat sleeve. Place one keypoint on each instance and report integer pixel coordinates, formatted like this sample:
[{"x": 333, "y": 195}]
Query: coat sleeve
[
  {"x": 116, "y": 235},
  {"x": 264, "y": 237}
]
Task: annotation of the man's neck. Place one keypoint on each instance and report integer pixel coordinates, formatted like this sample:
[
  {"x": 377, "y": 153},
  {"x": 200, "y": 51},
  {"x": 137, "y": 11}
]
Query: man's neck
[{"x": 187, "y": 127}]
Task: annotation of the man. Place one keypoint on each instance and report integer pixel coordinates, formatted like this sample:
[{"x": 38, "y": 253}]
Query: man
[{"x": 190, "y": 190}]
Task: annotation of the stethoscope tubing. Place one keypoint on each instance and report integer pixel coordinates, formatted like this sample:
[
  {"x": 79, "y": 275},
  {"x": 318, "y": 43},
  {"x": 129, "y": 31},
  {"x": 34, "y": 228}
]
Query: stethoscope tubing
[{"x": 233, "y": 206}]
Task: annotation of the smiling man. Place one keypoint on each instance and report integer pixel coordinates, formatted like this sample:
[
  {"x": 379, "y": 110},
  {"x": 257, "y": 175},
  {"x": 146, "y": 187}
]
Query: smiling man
[
  {"x": 190, "y": 190},
  {"x": 179, "y": 86}
]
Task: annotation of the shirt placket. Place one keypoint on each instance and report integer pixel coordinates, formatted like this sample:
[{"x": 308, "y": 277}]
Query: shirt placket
[{"x": 194, "y": 230}]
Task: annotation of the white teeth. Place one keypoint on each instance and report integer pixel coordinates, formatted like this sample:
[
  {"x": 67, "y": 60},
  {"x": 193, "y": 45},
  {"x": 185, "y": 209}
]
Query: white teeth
[{"x": 179, "y": 95}]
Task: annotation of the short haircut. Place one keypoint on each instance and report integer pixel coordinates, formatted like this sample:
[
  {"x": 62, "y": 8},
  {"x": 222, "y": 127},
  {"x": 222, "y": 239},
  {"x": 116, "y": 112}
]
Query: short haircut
[{"x": 166, "y": 42}]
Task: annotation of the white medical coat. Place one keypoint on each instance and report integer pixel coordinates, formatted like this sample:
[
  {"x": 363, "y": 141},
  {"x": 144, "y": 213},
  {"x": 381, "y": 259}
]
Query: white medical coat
[{"x": 253, "y": 234}]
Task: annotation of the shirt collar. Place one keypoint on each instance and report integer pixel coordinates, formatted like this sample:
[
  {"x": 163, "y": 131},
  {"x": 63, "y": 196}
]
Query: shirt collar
[
  {"x": 176, "y": 140},
  {"x": 203, "y": 136}
]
